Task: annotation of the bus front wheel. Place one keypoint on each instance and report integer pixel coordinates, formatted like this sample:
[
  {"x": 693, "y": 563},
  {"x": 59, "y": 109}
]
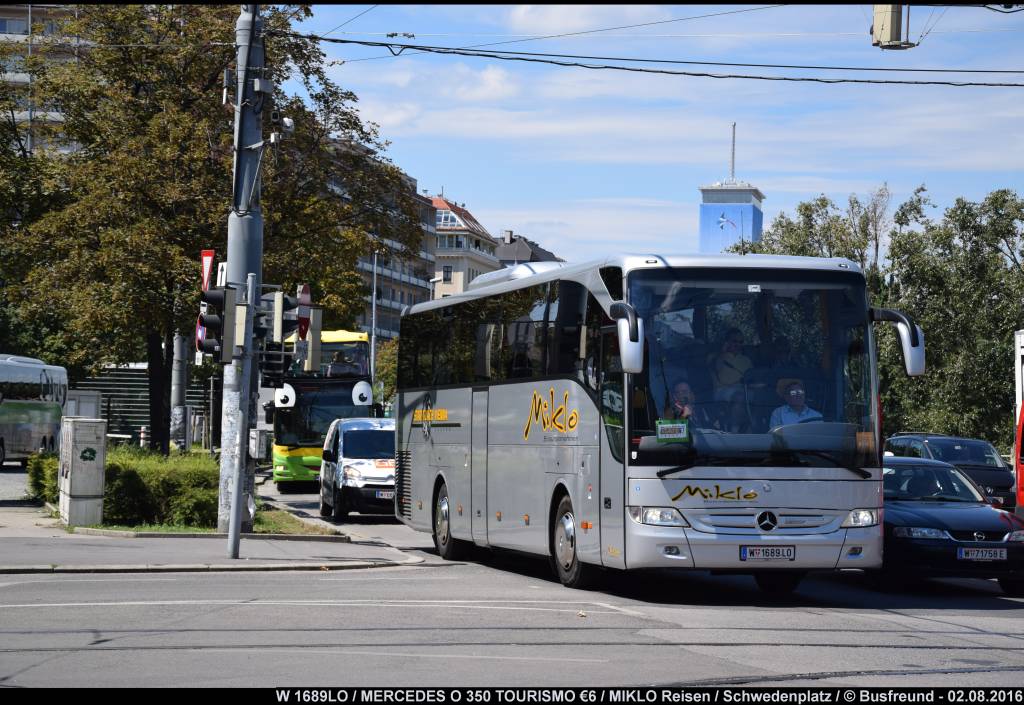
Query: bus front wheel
[
  {"x": 571, "y": 572},
  {"x": 448, "y": 547}
]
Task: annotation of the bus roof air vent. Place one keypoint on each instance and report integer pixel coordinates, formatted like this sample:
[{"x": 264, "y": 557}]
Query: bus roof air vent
[{"x": 508, "y": 274}]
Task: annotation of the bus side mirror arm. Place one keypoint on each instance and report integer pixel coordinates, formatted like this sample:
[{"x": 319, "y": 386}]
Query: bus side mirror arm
[
  {"x": 911, "y": 338},
  {"x": 631, "y": 337}
]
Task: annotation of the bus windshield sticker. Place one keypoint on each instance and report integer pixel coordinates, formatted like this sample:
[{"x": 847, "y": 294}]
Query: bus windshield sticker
[{"x": 671, "y": 431}]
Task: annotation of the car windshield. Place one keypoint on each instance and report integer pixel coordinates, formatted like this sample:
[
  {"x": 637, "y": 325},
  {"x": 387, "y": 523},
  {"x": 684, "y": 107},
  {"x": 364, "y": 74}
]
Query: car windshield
[
  {"x": 965, "y": 452},
  {"x": 766, "y": 367},
  {"x": 316, "y": 406},
  {"x": 928, "y": 483},
  {"x": 371, "y": 445}
]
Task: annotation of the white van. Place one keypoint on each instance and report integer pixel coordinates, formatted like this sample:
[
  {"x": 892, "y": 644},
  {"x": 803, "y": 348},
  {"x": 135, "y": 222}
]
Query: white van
[{"x": 358, "y": 468}]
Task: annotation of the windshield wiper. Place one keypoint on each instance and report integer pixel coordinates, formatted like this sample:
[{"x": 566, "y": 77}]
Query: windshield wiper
[
  {"x": 860, "y": 472},
  {"x": 941, "y": 498}
]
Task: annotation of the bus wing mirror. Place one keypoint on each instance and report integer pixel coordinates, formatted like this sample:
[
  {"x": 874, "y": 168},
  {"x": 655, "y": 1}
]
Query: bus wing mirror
[
  {"x": 631, "y": 337},
  {"x": 911, "y": 338}
]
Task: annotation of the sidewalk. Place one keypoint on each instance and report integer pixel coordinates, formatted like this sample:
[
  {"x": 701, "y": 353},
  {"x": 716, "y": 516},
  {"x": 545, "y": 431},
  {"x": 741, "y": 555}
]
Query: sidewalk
[{"x": 32, "y": 542}]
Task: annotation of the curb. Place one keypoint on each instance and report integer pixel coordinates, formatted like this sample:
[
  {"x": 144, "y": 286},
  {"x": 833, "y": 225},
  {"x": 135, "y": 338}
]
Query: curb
[
  {"x": 117, "y": 533},
  {"x": 205, "y": 567}
]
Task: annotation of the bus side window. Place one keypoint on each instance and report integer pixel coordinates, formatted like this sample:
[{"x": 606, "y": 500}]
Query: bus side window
[{"x": 565, "y": 320}]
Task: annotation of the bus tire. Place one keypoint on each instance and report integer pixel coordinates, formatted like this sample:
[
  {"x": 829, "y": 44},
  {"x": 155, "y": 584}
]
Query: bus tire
[
  {"x": 778, "y": 583},
  {"x": 325, "y": 509},
  {"x": 448, "y": 547},
  {"x": 340, "y": 512},
  {"x": 570, "y": 570}
]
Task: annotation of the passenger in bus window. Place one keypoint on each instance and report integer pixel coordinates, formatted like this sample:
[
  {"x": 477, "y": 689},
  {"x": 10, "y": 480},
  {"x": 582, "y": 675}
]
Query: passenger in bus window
[
  {"x": 795, "y": 410},
  {"x": 730, "y": 365},
  {"x": 682, "y": 404}
]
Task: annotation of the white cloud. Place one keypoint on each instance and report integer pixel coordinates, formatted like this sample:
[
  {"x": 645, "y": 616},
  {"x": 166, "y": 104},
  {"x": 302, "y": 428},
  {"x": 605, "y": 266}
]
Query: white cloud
[
  {"x": 578, "y": 233},
  {"x": 556, "y": 19}
]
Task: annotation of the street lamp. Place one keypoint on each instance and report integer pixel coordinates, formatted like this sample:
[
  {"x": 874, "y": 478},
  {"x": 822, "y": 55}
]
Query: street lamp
[{"x": 433, "y": 281}]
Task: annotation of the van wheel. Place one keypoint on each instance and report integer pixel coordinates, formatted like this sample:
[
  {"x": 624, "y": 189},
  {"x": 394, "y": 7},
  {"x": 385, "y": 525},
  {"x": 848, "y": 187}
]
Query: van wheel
[
  {"x": 325, "y": 508},
  {"x": 571, "y": 572},
  {"x": 340, "y": 510},
  {"x": 448, "y": 547},
  {"x": 778, "y": 583},
  {"x": 3, "y": 455}
]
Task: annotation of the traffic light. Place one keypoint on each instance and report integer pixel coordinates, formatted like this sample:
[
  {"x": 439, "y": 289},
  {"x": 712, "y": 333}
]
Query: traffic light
[
  {"x": 219, "y": 321},
  {"x": 274, "y": 363},
  {"x": 284, "y": 326},
  {"x": 312, "y": 363}
]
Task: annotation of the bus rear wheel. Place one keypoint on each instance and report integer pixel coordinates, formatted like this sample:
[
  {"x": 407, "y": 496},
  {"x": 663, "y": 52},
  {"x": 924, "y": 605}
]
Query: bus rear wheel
[
  {"x": 778, "y": 583},
  {"x": 448, "y": 547},
  {"x": 571, "y": 572}
]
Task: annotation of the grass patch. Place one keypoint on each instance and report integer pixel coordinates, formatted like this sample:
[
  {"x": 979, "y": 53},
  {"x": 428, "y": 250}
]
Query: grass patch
[
  {"x": 275, "y": 521},
  {"x": 158, "y": 528}
]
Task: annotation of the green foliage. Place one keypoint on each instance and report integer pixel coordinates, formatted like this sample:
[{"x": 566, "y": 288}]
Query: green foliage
[
  {"x": 99, "y": 243},
  {"x": 386, "y": 369},
  {"x": 42, "y": 477},
  {"x": 142, "y": 487}
]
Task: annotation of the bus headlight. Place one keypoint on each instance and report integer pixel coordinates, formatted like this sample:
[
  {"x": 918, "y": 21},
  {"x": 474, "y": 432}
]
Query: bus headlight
[
  {"x": 859, "y": 518},
  {"x": 351, "y": 476},
  {"x": 657, "y": 516}
]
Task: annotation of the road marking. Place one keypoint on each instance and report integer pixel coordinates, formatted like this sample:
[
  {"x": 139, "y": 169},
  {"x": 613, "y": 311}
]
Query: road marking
[
  {"x": 463, "y": 656},
  {"x": 502, "y": 605},
  {"x": 370, "y": 577},
  {"x": 91, "y": 580}
]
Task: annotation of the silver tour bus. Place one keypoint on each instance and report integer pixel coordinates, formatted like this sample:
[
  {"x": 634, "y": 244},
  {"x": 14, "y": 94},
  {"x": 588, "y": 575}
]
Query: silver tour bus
[{"x": 707, "y": 412}]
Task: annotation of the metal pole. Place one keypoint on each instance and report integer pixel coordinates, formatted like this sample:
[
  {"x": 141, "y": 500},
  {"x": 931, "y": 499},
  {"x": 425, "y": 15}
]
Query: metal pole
[
  {"x": 238, "y": 494},
  {"x": 732, "y": 159},
  {"x": 245, "y": 237},
  {"x": 373, "y": 322},
  {"x": 179, "y": 384}
]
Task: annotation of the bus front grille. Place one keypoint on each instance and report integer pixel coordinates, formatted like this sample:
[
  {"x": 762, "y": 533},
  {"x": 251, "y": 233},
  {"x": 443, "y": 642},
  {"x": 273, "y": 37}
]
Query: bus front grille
[{"x": 403, "y": 482}]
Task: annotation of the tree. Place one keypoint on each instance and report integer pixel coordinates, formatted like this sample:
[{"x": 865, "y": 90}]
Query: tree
[
  {"x": 147, "y": 183},
  {"x": 386, "y": 373}
]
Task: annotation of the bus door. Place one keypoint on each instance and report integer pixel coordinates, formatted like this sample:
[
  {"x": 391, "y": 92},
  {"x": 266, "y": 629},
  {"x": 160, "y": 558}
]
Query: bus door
[
  {"x": 613, "y": 449},
  {"x": 478, "y": 460}
]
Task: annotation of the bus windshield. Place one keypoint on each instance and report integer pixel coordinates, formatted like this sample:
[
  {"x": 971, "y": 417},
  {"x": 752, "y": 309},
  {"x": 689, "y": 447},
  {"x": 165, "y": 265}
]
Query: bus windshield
[
  {"x": 316, "y": 406},
  {"x": 752, "y": 367}
]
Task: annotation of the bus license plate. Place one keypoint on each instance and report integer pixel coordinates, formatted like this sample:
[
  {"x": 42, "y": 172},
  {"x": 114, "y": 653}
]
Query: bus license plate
[
  {"x": 385, "y": 494},
  {"x": 767, "y": 553},
  {"x": 981, "y": 554}
]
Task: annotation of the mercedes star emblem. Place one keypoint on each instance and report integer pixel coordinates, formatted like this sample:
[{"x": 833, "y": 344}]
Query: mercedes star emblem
[{"x": 767, "y": 521}]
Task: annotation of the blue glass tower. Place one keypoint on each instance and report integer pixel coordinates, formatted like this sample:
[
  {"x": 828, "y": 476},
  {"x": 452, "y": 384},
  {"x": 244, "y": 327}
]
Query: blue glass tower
[{"x": 729, "y": 210}]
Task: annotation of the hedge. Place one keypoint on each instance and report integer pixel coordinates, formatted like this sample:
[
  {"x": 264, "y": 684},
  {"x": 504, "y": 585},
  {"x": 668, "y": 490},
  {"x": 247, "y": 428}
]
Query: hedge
[{"x": 143, "y": 487}]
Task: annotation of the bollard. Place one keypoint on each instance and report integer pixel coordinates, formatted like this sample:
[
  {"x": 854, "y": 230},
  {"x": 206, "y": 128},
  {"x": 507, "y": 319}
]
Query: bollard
[{"x": 142, "y": 437}]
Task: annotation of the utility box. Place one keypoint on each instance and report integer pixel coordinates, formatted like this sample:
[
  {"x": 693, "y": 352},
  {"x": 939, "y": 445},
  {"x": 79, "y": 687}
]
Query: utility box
[
  {"x": 259, "y": 444},
  {"x": 83, "y": 454}
]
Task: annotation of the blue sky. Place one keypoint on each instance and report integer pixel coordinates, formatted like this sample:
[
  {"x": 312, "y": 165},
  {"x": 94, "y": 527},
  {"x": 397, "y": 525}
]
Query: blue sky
[{"x": 594, "y": 162}]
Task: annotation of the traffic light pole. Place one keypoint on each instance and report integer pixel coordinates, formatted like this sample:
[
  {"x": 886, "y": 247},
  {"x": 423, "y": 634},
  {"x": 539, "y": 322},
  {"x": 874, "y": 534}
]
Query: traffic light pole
[
  {"x": 238, "y": 497},
  {"x": 245, "y": 249}
]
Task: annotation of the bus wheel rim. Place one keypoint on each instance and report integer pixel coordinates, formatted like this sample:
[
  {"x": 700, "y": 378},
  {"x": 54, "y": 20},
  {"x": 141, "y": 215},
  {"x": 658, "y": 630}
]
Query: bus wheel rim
[
  {"x": 441, "y": 522},
  {"x": 565, "y": 540}
]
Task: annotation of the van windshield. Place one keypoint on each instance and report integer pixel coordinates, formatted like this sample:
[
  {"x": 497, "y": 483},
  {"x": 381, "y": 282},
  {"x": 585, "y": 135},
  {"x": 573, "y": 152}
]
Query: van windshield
[{"x": 368, "y": 445}]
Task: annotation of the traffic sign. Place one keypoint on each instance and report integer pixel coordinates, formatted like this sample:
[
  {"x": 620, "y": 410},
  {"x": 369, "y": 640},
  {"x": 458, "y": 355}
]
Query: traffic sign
[{"x": 207, "y": 259}]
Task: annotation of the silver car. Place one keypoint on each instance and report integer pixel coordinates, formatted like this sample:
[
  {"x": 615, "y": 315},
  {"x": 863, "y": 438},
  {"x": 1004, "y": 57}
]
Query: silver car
[{"x": 358, "y": 468}]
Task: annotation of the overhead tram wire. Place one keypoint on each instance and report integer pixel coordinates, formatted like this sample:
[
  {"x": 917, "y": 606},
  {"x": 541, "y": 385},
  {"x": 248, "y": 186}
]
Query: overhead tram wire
[
  {"x": 352, "y": 19},
  {"x": 551, "y": 59},
  {"x": 592, "y": 31}
]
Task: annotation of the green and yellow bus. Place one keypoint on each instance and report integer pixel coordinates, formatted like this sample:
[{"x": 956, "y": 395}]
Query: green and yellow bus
[{"x": 308, "y": 402}]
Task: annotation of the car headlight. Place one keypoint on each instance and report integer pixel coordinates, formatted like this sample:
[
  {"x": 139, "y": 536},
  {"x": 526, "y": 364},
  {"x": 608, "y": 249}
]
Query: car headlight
[
  {"x": 350, "y": 472},
  {"x": 860, "y": 518},
  {"x": 1015, "y": 536},
  {"x": 657, "y": 516},
  {"x": 918, "y": 532}
]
